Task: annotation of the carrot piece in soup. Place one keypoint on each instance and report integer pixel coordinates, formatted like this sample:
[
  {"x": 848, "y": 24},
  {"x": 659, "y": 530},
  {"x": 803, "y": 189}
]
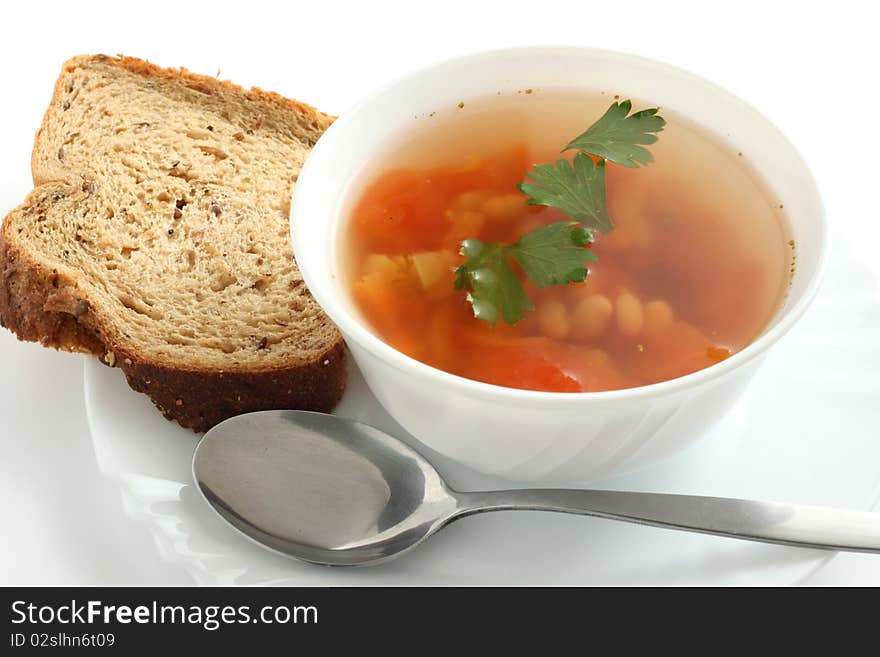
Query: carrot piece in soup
[
  {"x": 507, "y": 168},
  {"x": 519, "y": 367},
  {"x": 504, "y": 357},
  {"x": 399, "y": 213},
  {"x": 718, "y": 353}
]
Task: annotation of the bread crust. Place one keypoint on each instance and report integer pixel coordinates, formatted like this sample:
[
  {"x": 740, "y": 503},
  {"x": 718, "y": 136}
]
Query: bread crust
[
  {"x": 26, "y": 287},
  {"x": 45, "y": 305},
  {"x": 198, "y": 400}
]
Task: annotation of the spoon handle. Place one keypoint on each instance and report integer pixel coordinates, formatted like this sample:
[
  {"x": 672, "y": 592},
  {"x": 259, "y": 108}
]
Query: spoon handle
[{"x": 771, "y": 522}]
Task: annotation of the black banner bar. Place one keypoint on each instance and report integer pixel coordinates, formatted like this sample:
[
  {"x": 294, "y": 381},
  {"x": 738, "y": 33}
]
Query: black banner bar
[{"x": 381, "y": 620}]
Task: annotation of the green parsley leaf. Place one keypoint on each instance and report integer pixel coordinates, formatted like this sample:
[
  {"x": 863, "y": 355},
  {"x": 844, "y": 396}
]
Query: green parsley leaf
[
  {"x": 549, "y": 255},
  {"x": 553, "y": 254},
  {"x": 620, "y": 138},
  {"x": 578, "y": 190},
  {"x": 492, "y": 285}
]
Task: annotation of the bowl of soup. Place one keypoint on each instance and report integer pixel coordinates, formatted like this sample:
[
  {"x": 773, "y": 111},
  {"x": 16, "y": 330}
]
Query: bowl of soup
[{"x": 412, "y": 214}]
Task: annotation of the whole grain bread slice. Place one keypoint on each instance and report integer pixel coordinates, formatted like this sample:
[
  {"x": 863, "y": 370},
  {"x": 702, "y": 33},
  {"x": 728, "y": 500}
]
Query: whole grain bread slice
[{"x": 157, "y": 237}]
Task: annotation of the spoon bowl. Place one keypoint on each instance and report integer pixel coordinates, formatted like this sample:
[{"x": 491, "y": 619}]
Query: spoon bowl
[
  {"x": 333, "y": 491},
  {"x": 320, "y": 488}
]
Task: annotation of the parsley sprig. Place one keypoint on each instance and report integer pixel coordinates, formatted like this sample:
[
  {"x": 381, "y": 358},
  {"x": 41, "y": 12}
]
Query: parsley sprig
[
  {"x": 577, "y": 188},
  {"x": 555, "y": 254},
  {"x": 620, "y": 138},
  {"x": 549, "y": 255}
]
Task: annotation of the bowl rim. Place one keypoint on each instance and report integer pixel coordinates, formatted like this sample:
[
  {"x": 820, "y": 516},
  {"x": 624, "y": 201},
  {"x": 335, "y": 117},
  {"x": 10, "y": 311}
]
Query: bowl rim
[{"x": 356, "y": 331}]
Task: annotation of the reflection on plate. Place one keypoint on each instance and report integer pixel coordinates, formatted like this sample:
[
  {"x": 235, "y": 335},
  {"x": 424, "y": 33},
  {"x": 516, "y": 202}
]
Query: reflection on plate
[{"x": 805, "y": 432}]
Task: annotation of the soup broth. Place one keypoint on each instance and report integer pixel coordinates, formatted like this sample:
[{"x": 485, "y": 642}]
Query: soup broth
[{"x": 694, "y": 270}]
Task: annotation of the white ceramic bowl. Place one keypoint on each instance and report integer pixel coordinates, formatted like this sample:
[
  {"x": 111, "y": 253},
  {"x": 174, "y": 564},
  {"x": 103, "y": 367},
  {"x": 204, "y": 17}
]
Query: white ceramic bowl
[{"x": 520, "y": 434}]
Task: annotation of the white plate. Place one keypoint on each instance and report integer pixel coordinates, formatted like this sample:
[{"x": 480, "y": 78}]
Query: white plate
[{"x": 806, "y": 431}]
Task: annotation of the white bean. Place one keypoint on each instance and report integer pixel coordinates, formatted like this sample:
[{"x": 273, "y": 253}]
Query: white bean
[
  {"x": 553, "y": 320},
  {"x": 658, "y": 316},
  {"x": 629, "y": 314},
  {"x": 591, "y": 316}
]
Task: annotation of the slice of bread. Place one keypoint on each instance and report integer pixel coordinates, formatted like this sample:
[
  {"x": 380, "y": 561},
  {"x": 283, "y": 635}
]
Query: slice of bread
[{"x": 157, "y": 238}]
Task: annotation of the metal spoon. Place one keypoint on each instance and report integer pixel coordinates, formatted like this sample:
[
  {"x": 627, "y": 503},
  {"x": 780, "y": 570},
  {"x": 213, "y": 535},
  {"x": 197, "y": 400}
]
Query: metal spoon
[{"x": 333, "y": 491}]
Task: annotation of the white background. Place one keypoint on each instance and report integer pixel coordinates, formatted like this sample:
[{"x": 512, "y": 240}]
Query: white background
[{"x": 810, "y": 67}]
